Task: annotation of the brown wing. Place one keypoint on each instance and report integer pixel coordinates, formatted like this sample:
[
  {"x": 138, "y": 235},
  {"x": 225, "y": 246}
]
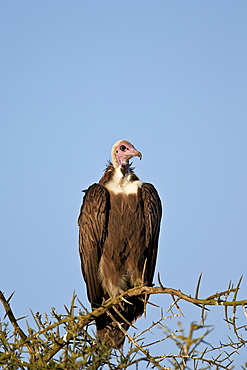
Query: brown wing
[
  {"x": 92, "y": 233},
  {"x": 152, "y": 216}
]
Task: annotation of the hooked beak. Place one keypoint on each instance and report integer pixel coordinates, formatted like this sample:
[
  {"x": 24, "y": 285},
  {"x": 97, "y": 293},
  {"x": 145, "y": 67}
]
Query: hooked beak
[
  {"x": 134, "y": 153},
  {"x": 138, "y": 154}
]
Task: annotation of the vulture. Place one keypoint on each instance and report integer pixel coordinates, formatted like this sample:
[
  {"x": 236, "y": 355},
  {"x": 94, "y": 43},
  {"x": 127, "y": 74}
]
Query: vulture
[{"x": 119, "y": 226}]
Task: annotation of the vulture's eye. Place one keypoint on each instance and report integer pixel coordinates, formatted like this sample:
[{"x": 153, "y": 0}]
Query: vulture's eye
[{"x": 122, "y": 147}]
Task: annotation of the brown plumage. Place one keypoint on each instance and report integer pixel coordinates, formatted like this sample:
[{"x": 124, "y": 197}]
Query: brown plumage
[{"x": 119, "y": 227}]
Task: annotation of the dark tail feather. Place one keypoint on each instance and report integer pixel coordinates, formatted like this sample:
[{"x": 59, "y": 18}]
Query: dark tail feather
[
  {"x": 108, "y": 325},
  {"x": 112, "y": 335}
]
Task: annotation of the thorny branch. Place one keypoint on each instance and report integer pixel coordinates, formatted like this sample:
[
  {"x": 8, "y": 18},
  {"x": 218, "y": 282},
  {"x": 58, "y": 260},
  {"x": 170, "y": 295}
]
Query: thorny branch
[{"x": 76, "y": 325}]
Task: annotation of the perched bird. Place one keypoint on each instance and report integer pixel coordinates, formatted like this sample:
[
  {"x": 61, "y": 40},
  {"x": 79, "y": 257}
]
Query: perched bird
[{"x": 119, "y": 226}]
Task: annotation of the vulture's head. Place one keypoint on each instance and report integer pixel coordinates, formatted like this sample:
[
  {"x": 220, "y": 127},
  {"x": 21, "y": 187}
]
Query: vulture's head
[{"x": 122, "y": 151}]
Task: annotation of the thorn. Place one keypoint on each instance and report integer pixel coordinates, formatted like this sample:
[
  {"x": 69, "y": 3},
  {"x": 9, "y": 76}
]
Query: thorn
[
  {"x": 198, "y": 285},
  {"x": 162, "y": 286},
  {"x": 11, "y": 295},
  {"x": 145, "y": 301},
  {"x": 125, "y": 300}
]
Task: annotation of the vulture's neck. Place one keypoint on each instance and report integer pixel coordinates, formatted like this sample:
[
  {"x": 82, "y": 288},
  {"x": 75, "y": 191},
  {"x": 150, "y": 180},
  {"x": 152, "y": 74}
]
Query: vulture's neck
[
  {"x": 121, "y": 179},
  {"x": 122, "y": 176}
]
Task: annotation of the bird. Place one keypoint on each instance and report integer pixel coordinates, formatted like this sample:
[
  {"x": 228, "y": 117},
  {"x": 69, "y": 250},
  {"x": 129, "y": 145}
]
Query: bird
[{"x": 119, "y": 226}]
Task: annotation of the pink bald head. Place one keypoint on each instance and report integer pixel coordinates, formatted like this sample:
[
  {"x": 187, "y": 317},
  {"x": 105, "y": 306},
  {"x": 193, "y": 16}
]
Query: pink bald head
[{"x": 122, "y": 151}]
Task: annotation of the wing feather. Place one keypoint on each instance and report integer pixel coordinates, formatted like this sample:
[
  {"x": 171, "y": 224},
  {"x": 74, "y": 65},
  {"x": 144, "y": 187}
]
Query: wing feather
[
  {"x": 152, "y": 215},
  {"x": 92, "y": 233}
]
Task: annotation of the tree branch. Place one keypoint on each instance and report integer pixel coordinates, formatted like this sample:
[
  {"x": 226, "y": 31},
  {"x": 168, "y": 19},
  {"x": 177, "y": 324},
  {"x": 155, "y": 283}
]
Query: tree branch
[{"x": 74, "y": 324}]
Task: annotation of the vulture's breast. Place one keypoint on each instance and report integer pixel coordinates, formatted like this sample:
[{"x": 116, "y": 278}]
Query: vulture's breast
[{"x": 122, "y": 260}]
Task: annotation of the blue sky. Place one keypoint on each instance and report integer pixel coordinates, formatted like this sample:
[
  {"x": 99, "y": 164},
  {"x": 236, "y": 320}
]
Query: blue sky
[{"x": 170, "y": 77}]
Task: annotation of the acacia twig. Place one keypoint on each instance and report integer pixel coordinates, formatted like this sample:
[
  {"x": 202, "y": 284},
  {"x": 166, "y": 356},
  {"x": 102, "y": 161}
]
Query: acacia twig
[{"x": 85, "y": 319}]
